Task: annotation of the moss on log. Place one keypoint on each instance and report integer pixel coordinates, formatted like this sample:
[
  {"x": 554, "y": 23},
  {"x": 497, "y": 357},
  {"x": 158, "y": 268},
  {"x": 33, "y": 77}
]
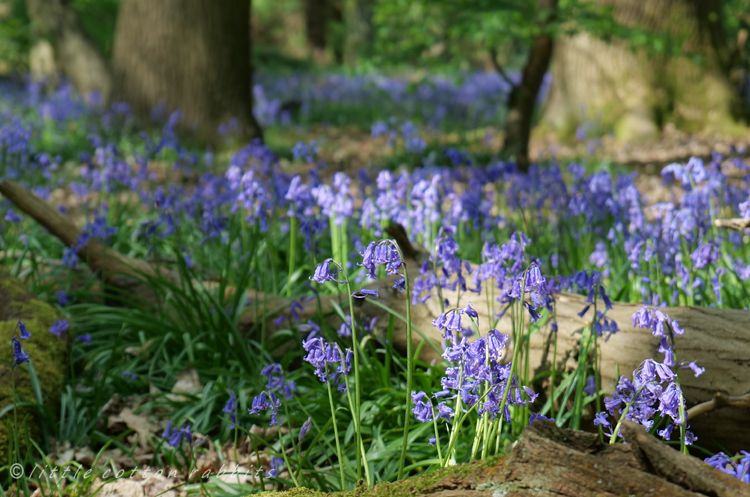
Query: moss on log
[{"x": 48, "y": 353}]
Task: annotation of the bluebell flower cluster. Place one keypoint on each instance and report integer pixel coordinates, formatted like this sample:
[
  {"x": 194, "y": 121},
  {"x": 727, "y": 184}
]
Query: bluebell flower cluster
[
  {"x": 655, "y": 389},
  {"x": 175, "y": 436},
  {"x": 276, "y": 381},
  {"x": 738, "y": 466}
]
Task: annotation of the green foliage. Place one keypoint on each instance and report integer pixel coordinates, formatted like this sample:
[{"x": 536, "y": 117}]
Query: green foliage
[
  {"x": 99, "y": 19},
  {"x": 14, "y": 36}
]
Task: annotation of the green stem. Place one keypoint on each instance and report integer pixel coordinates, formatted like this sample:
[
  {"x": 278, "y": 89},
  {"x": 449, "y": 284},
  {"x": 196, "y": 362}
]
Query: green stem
[
  {"x": 409, "y": 371},
  {"x": 357, "y": 384},
  {"x": 292, "y": 252},
  {"x": 336, "y": 433}
]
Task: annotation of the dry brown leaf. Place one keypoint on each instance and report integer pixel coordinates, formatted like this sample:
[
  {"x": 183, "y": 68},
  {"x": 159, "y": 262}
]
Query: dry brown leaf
[
  {"x": 187, "y": 382},
  {"x": 138, "y": 423}
]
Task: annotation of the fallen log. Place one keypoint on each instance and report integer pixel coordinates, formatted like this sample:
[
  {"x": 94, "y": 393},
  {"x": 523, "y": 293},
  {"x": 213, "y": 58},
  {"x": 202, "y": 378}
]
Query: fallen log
[
  {"x": 118, "y": 271},
  {"x": 717, "y": 339},
  {"x": 551, "y": 462}
]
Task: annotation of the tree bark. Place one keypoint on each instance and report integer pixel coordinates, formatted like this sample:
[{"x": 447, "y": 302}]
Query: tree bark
[
  {"x": 634, "y": 94},
  {"x": 193, "y": 56},
  {"x": 61, "y": 45},
  {"x": 523, "y": 97}
]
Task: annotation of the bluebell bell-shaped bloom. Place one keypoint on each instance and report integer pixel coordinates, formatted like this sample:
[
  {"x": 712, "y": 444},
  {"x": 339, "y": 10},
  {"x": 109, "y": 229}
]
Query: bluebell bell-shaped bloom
[
  {"x": 304, "y": 429},
  {"x": 363, "y": 293},
  {"x": 231, "y": 408},
  {"x": 18, "y": 355},
  {"x": 25, "y": 333},
  {"x": 59, "y": 327}
]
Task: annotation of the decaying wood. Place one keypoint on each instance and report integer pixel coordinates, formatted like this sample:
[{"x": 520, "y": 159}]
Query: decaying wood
[
  {"x": 551, "y": 462},
  {"x": 717, "y": 339},
  {"x": 733, "y": 224}
]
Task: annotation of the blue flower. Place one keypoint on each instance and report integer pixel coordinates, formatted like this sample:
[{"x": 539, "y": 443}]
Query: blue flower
[
  {"x": 19, "y": 355},
  {"x": 59, "y": 327},
  {"x": 305, "y": 428},
  {"x": 25, "y": 334},
  {"x": 231, "y": 408},
  {"x": 364, "y": 293},
  {"x": 276, "y": 464},
  {"x": 12, "y": 217}
]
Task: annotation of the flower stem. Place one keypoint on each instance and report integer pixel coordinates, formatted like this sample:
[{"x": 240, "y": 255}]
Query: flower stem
[
  {"x": 336, "y": 433},
  {"x": 357, "y": 385},
  {"x": 292, "y": 252},
  {"x": 409, "y": 372}
]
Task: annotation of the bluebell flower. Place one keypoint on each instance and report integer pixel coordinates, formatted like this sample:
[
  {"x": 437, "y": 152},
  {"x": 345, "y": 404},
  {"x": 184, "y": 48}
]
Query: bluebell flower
[
  {"x": 305, "y": 428},
  {"x": 63, "y": 299},
  {"x": 231, "y": 408},
  {"x": 59, "y": 327},
  {"x": 19, "y": 355},
  {"x": 12, "y": 217},
  {"x": 84, "y": 338},
  {"x": 364, "y": 293},
  {"x": 276, "y": 464},
  {"x": 175, "y": 436},
  {"x": 25, "y": 334},
  {"x": 266, "y": 401}
]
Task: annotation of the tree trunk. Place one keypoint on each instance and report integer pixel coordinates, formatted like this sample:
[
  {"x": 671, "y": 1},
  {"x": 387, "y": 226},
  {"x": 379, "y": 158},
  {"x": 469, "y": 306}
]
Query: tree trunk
[
  {"x": 316, "y": 23},
  {"x": 635, "y": 95},
  {"x": 193, "y": 56},
  {"x": 523, "y": 97},
  {"x": 62, "y": 46}
]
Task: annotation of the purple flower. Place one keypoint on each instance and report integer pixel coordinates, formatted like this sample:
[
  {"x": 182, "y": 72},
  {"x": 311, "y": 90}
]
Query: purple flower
[
  {"x": 364, "y": 293},
  {"x": 25, "y": 334},
  {"x": 59, "y": 327},
  {"x": 601, "y": 419},
  {"x": 19, "y": 355},
  {"x": 265, "y": 401},
  {"x": 231, "y": 408},
  {"x": 305, "y": 428},
  {"x": 323, "y": 272},
  {"x": 175, "y": 436},
  {"x": 84, "y": 338},
  {"x": 276, "y": 464},
  {"x": 63, "y": 299},
  {"x": 12, "y": 217},
  {"x": 383, "y": 253},
  {"x": 276, "y": 381},
  {"x": 535, "y": 416},
  {"x": 422, "y": 410}
]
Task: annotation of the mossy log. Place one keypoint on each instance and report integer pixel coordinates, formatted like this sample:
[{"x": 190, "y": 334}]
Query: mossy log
[
  {"x": 550, "y": 462},
  {"x": 48, "y": 353}
]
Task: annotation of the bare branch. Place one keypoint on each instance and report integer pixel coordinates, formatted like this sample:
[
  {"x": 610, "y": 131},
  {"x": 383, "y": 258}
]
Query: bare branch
[
  {"x": 719, "y": 401},
  {"x": 499, "y": 68}
]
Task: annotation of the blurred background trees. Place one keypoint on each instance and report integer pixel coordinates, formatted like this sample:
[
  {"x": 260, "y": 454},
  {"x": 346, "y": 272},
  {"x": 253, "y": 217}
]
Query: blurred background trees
[{"x": 637, "y": 66}]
